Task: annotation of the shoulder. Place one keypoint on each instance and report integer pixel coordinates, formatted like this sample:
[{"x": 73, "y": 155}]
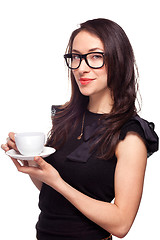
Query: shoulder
[
  {"x": 143, "y": 130},
  {"x": 132, "y": 146}
]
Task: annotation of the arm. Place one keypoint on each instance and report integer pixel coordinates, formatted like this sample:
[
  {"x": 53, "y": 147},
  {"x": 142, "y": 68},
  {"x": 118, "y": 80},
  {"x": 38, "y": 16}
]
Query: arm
[
  {"x": 37, "y": 183},
  {"x": 116, "y": 218}
]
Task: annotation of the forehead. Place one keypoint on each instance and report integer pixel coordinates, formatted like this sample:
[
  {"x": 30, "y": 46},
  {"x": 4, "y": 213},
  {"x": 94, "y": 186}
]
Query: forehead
[{"x": 86, "y": 41}]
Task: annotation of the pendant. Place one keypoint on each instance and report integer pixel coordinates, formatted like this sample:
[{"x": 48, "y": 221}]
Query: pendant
[{"x": 80, "y": 136}]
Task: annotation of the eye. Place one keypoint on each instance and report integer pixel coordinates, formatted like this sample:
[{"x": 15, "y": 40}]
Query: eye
[
  {"x": 75, "y": 57},
  {"x": 97, "y": 56}
]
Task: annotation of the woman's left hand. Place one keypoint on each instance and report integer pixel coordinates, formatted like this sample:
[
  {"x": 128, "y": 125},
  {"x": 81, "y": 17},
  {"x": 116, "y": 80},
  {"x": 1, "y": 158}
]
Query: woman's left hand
[{"x": 44, "y": 172}]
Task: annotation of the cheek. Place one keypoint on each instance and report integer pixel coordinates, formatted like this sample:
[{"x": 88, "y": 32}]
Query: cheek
[{"x": 103, "y": 77}]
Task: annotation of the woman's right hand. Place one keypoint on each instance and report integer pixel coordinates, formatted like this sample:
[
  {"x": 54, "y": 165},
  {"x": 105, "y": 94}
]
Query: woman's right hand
[{"x": 10, "y": 144}]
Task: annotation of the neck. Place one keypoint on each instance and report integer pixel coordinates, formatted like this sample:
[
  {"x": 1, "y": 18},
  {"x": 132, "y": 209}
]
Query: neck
[{"x": 101, "y": 103}]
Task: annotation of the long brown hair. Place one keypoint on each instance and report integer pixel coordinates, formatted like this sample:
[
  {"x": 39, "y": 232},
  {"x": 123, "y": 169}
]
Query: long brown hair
[{"x": 122, "y": 81}]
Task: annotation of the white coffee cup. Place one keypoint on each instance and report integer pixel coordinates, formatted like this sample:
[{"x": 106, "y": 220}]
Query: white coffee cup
[{"x": 30, "y": 143}]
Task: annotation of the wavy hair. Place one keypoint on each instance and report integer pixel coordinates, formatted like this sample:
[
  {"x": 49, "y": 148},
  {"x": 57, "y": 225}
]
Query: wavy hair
[{"x": 122, "y": 81}]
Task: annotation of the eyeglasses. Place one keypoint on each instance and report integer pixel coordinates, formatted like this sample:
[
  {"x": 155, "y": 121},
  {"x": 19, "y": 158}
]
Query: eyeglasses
[{"x": 93, "y": 60}]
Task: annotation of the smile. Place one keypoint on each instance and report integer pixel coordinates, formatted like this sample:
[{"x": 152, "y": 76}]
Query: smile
[{"x": 85, "y": 81}]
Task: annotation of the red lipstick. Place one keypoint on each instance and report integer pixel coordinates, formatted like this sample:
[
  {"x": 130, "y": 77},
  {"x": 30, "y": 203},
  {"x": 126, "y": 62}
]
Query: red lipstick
[{"x": 85, "y": 81}]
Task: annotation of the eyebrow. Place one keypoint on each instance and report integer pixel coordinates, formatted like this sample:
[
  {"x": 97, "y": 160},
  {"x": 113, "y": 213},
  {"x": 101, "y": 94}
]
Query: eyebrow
[{"x": 90, "y": 50}]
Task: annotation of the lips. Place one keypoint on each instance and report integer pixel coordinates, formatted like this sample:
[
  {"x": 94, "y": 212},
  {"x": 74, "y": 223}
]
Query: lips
[{"x": 85, "y": 81}]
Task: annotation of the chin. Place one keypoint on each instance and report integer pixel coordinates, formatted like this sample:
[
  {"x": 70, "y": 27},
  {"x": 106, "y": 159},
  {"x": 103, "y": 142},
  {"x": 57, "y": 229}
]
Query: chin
[{"x": 86, "y": 93}]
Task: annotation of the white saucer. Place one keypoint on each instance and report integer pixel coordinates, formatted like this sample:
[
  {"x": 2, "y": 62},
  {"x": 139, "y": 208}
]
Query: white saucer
[{"x": 46, "y": 152}]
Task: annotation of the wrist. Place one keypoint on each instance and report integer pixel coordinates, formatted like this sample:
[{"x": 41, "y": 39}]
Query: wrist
[{"x": 59, "y": 185}]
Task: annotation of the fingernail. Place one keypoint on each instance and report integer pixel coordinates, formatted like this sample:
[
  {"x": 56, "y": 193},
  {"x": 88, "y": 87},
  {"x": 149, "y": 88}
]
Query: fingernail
[
  {"x": 36, "y": 158},
  {"x": 4, "y": 146}
]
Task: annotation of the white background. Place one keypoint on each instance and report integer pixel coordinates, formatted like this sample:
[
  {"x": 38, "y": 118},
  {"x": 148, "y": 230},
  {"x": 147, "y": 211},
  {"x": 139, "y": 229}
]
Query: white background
[{"x": 33, "y": 38}]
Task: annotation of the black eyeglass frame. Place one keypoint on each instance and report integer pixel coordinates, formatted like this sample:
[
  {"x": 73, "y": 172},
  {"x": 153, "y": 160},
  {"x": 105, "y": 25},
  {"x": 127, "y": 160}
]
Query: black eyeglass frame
[{"x": 83, "y": 56}]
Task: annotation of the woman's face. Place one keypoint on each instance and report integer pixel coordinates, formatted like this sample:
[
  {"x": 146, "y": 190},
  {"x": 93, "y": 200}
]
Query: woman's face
[{"x": 90, "y": 81}]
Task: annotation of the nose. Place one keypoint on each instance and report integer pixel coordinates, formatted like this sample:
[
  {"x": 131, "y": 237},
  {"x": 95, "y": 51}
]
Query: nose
[{"x": 83, "y": 66}]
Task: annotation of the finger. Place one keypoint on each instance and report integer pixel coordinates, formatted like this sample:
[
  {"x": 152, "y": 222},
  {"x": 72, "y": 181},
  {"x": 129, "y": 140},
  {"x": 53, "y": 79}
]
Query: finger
[
  {"x": 12, "y": 136},
  {"x": 11, "y": 144},
  {"x": 23, "y": 169},
  {"x": 16, "y": 163},
  {"x": 5, "y": 147},
  {"x": 40, "y": 161}
]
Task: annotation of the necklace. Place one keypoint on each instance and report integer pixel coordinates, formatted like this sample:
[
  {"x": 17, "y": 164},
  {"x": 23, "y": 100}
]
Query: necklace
[{"x": 81, "y": 134}]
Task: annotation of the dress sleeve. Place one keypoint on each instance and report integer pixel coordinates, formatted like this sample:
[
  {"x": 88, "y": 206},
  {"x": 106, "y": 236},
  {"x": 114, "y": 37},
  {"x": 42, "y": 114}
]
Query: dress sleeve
[{"x": 145, "y": 130}]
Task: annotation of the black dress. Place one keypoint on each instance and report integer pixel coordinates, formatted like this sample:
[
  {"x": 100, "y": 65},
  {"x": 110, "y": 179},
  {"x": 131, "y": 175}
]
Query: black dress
[{"x": 59, "y": 219}]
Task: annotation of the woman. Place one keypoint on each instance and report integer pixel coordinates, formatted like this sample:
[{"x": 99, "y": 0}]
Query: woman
[{"x": 101, "y": 142}]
